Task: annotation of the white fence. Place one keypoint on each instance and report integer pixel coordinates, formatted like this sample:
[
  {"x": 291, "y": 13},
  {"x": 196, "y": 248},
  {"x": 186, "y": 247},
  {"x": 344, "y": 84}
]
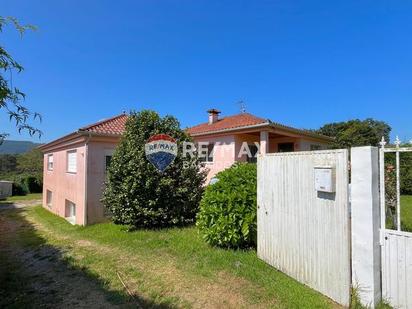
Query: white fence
[
  {"x": 396, "y": 244},
  {"x": 397, "y": 268},
  {"x": 308, "y": 233},
  {"x": 303, "y": 232}
]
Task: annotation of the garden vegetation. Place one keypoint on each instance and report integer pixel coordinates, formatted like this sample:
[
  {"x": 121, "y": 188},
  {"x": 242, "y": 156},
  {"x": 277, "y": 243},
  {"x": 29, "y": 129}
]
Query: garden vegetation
[
  {"x": 227, "y": 216},
  {"x": 25, "y": 170},
  {"x": 136, "y": 193}
]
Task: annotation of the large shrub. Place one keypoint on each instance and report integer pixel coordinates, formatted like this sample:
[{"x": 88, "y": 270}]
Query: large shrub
[
  {"x": 227, "y": 216},
  {"x": 406, "y": 172},
  {"x": 24, "y": 184},
  {"x": 19, "y": 188},
  {"x": 25, "y": 170},
  {"x": 136, "y": 193},
  {"x": 33, "y": 184}
]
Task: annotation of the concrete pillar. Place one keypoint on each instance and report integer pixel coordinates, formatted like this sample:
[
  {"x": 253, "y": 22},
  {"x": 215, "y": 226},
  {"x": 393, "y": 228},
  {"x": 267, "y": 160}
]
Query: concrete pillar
[
  {"x": 366, "y": 251},
  {"x": 264, "y": 142}
]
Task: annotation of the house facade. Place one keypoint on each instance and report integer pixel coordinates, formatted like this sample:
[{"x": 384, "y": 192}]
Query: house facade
[
  {"x": 75, "y": 170},
  {"x": 227, "y": 139},
  {"x": 75, "y": 165}
]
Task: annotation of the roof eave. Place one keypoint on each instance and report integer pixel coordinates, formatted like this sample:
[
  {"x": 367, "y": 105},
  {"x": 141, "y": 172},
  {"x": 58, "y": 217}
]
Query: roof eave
[
  {"x": 267, "y": 124},
  {"x": 88, "y": 133},
  {"x": 78, "y": 133},
  {"x": 301, "y": 131},
  {"x": 254, "y": 126},
  {"x": 58, "y": 141}
]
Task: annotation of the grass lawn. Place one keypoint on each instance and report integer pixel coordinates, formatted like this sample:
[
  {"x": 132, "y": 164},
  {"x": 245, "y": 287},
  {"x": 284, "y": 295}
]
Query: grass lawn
[
  {"x": 165, "y": 268},
  {"x": 17, "y": 198},
  {"x": 406, "y": 213}
]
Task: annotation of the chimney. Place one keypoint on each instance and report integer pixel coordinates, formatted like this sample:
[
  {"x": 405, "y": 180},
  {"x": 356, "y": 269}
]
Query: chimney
[{"x": 213, "y": 115}]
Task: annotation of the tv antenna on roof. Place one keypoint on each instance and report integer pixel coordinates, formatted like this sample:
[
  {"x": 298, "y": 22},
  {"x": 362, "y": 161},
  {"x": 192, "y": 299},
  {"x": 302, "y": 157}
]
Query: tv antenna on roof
[{"x": 242, "y": 106}]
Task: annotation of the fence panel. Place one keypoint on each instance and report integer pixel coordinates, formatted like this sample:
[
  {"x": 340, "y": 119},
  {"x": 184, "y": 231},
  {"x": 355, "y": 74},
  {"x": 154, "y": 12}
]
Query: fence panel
[
  {"x": 397, "y": 268},
  {"x": 302, "y": 232}
]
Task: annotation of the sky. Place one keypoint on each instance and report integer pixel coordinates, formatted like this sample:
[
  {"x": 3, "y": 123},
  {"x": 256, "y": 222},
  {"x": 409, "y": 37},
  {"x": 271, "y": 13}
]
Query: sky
[{"x": 300, "y": 63}]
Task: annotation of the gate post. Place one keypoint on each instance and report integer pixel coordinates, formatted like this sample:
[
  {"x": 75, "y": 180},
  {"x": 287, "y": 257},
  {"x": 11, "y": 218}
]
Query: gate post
[{"x": 366, "y": 251}]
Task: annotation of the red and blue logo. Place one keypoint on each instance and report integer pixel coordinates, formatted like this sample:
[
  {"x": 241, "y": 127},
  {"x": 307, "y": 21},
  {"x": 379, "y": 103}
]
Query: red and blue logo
[{"x": 161, "y": 150}]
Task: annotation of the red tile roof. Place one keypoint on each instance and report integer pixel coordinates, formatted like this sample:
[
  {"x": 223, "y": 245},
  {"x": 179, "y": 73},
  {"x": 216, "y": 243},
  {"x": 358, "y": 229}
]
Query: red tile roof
[
  {"x": 230, "y": 122},
  {"x": 114, "y": 125}
]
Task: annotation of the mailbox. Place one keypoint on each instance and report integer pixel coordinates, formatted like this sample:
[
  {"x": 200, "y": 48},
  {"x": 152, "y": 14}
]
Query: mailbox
[{"x": 325, "y": 179}]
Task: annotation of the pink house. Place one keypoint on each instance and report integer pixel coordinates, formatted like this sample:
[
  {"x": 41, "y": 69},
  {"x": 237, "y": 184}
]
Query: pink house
[
  {"x": 75, "y": 170},
  {"x": 227, "y": 137},
  {"x": 75, "y": 164}
]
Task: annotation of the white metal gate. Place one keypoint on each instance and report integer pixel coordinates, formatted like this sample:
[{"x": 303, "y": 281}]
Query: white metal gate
[
  {"x": 396, "y": 244},
  {"x": 303, "y": 232}
]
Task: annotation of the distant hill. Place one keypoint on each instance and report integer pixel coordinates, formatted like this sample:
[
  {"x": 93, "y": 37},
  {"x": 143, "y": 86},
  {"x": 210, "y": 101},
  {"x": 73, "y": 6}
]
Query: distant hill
[{"x": 12, "y": 147}]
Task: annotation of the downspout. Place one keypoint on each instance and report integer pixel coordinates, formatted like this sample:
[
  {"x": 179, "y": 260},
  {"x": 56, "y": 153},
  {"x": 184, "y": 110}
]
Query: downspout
[{"x": 86, "y": 158}]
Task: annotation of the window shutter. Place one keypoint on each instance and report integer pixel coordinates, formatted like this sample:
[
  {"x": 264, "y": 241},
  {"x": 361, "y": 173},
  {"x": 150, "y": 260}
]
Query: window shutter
[
  {"x": 72, "y": 161},
  {"x": 49, "y": 197},
  {"x": 50, "y": 162}
]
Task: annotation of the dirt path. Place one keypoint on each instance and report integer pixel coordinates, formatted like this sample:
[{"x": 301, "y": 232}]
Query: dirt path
[
  {"x": 52, "y": 283},
  {"x": 38, "y": 276},
  {"x": 48, "y": 268},
  {"x": 19, "y": 204},
  {"x": 192, "y": 295}
]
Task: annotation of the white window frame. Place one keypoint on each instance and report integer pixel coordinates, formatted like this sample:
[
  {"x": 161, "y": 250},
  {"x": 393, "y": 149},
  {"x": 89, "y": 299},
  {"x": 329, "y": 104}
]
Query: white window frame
[
  {"x": 68, "y": 206},
  {"x": 50, "y": 163},
  {"x": 68, "y": 153},
  {"x": 49, "y": 198}
]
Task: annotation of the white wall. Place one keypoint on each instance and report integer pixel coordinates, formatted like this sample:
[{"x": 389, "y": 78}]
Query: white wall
[
  {"x": 6, "y": 188},
  {"x": 366, "y": 261}
]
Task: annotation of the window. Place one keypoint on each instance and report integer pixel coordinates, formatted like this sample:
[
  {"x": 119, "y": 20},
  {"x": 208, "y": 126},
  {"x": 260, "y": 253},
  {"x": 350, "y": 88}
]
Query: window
[
  {"x": 210, "y": 152},
  {"x": 108, "y": 155},
  {"x": 253, "y": 150},
  {"x": 70, "y": 212},
  {"x": 72, "y": 161},
  {"x": 50, "y": 162},
  {"x": 49, "y": 198},
  {"x": 286, "y": 147},
  {"x": 315, "y": 147},
  {"x": 108, "y": 160},
  {"x": 206, "y": 155}
]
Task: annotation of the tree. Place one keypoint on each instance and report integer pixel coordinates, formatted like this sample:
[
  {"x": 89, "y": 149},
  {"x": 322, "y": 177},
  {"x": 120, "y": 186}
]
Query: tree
[
  {"x": 356, "y": 132},
  {"x": 136, "y": 193},
  {"x": 11, "y": 97},
  {"x": 30, "y": 162},
  {"x": 8, "y": 163},
  {"x": 25, "y": 170}
]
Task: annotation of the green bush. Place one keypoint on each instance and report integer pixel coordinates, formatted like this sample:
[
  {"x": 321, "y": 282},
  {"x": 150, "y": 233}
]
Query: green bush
[
  {"x": 24, "y": 184},
  {"x": 19, "y": 189},
  {"x": 33, "y": 184},
  {"x": 405, "y": 169},
  {"x": 136, "y": 193},
  {"x": 227, "y": 216}
]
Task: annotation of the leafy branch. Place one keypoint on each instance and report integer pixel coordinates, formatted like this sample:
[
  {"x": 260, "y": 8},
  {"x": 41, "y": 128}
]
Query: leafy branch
[{"x": 11, "y": 97}]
